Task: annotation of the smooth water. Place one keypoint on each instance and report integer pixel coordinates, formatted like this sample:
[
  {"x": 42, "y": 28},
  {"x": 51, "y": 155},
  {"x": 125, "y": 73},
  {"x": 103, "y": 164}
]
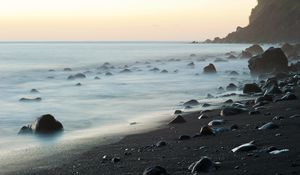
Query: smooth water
[{"x": 140, "y": 96}]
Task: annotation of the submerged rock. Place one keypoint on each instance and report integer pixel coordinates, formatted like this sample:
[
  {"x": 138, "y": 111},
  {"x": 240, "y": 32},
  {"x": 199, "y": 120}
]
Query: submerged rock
[
  {"x": 245, "y": 147},
  {"x": 156, "y": 170},
  {"x": 231, "y": 87},
  {"x": 34, "y": 91},
  {"x": 67, "y": 69},
  {"x": 76, "y": 76},
  {"x": 46, "y": 124},
  {"x": 210, "y": 69},
  {"x": 37, "y": 99},
  {"x": 126, "y": 71}
]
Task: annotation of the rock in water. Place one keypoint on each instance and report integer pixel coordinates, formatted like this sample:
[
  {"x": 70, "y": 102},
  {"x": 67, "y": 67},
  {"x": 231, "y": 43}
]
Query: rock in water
[
  {"x": 203, "y": 165},
  {"x": 255, "y": 49},
  {"x": 210, "y": 69},
  {"x": 191, "y": 103},
  {"x": 251, "y": 88},
  {"x": 46, "y": 124},
  {"x": 231, "y": 111},
  {"x": 245, "y": 54},
  {"x": 269, "y": 125},
  {"x": 270, "y": 62},
  {"x": 231, "y": 87},
  {"x": 245, "y": 147},
  {"x": 38, "y": 99},
  {"x": 156, "y": 170},
  {"x": 178, "y": 119}
]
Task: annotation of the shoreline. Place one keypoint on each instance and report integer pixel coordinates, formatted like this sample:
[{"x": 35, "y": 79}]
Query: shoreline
[{"x": 137, "y": 151}]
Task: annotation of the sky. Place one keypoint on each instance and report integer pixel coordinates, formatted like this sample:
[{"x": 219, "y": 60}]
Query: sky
[{"x": 116, "y": 20}]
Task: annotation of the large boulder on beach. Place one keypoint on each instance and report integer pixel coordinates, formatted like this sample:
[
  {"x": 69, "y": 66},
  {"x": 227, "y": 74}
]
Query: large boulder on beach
[
  {"x": 251, "y": 88},
  {"x": 46, "y": 124},
  {"x": 255, "y": 49},
  {"x": 271, "y": 61},
  {"x": 210, "y": 69}
]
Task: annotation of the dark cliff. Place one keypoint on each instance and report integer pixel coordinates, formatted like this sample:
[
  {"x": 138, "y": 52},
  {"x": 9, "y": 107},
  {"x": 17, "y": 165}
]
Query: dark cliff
[{"x": 270, "y": 21}]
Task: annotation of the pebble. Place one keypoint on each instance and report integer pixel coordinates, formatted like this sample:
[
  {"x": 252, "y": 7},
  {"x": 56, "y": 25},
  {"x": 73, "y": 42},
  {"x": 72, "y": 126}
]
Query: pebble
[
  {"x": 245, "y": 147},
  {"x": 184, "y": 137},
  {"x": 269, "y": 125}
]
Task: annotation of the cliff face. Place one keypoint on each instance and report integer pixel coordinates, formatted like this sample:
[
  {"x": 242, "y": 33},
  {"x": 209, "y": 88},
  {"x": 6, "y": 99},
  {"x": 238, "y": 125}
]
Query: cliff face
[{"x": 270, "y": 21}]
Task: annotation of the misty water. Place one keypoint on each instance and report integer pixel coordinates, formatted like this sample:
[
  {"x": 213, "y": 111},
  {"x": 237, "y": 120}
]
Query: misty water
[{"x": 105, "y": 105}]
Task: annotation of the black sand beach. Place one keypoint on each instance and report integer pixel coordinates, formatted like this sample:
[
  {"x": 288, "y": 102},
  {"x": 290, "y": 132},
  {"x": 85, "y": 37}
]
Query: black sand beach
[{"x": 134, "y": 153}]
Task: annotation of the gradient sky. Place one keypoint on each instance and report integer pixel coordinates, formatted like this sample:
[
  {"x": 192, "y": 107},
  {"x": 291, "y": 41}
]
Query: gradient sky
[{"x": 36, "y": 20}]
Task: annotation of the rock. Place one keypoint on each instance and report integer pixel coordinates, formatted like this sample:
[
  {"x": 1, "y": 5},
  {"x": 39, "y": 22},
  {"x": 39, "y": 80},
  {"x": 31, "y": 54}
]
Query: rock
[
  {"x": 191, "y": 64},
  {"x": 206, "y": 131},
  {"x": 115, "y": 160},
  {"x": 216, "y": 122},
  {"x": 209, "y": 96},
  {"x": 178, "y": 112},
  {"x": 275, "y": 152},
  {"x": 251, "y": 88},
  {"x": 289, "y": 50},
  {"x": 234, "y": 127},
  {"x": 278, "y": 118},
  {"x": 206, "y": 105},
  {"x": 156, "y": 170},
  {"x": 231, "y": 56},
  {"x": 234, "y": 73},
  {"x": 273, "y": 90},
  {"x": 108, "y": 74},
  {"x": 34, "y": 91},
  {"x": 203, "y": 165},
  {"x": 126, "y": 71},
  {"x": 67, "y": 69},
  {"x": 294, "y": 116},
  {"x": 289, "y": 96},
  {"x": 231, "y": 87},
  {"x": 228, "y": 101},
  {"x": 210, "y": 69},
  {"x": 220, "y": 60},
  {"x": 97, "y": 78},
  {"x": 164, "y": 71},
  {"x": 255, "y": 49},
  {"x": 78, "y": 84},
  {"x": 155, "y": 69},
  {"x": 271, "y": 148},
  {"x": 255, "y": 112},
  {"x": 184, "y": 137},
  {"x": 46, "y": 124},
  {"x": 269, "y": 125},
  {"x": 25, "y": 130},
  {"x": 76, "y": 76},
  {"x": 231, "y": 111},
  {"x": 160, "y": 144},
  {"x": 178, "y": 119},
  {"x": 191, "y": 103},
  {"x": 38, "y": 99},
  {"x": 203, "y": 116},
  {"x": 271, "y": 61},
  {"x": 245, "y": 147},
  {"x": 245, "y": 54}
]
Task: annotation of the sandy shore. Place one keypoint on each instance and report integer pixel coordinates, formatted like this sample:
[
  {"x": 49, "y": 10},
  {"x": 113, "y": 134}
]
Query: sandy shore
[{"x": 137, "y": 152}]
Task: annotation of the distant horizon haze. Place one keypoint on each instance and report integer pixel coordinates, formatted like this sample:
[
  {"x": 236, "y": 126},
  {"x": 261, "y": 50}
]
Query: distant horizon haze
[{"x": 121, "y": 20}]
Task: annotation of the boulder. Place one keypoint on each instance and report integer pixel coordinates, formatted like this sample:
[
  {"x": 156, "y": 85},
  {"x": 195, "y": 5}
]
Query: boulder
[
  {"x": 156, "y": 170},
  {"x": 251, "y": 88},
  {"x": 210, "y": 69},
  {"x": 269, "y": 125},
  {"x": 245, "y": 147},
  {"x": 191, "y": 103},
  {"x": 203, "y": 165},
  {"x": 46, "y": 124},
  {"x": 255, "y": 49},
  {"x": 245, "y": 54},
  {"x": 271, "y": 61},
  {"x": 231, "y": 87},
  {"x": 177, "y": 119},
  {"x": 231, "y": 111},
  {"x": 289, "y": 50},
  {"x": 206, "y": 131},
  {"x": 78, "y": 75}
]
